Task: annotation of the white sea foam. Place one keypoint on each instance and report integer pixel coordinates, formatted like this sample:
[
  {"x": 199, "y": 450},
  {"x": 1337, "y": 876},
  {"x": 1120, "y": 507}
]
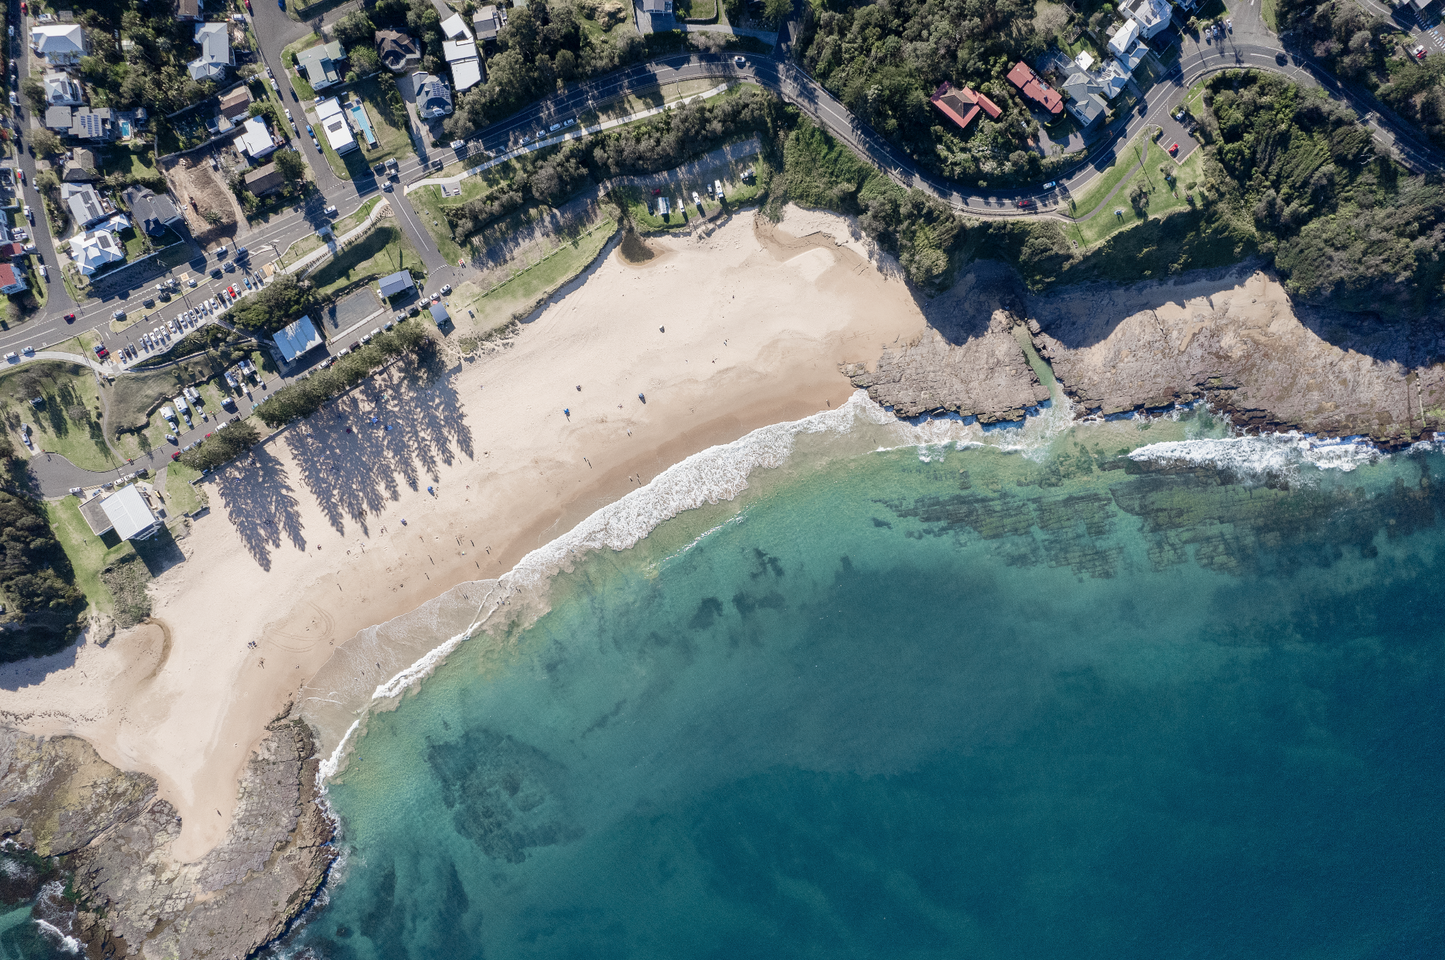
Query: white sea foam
[
  {"x": 1259, "y": 456},
  {"x": 67, "y": 943}
]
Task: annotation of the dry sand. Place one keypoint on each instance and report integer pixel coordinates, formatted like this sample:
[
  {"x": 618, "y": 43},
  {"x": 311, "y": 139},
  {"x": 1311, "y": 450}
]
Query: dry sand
[{"x": 305, "y": 545}]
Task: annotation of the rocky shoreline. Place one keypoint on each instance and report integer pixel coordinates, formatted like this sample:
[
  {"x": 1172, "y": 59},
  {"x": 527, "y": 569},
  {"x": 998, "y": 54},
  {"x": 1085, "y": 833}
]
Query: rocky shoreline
[
  {"x": 110, "y": 833},
  {"x": 1233, "y": 338}
]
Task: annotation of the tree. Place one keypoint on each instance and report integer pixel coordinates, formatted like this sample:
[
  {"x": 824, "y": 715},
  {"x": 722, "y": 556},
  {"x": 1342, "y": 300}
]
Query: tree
[
  {"x": 278, "y": 303},
  {"x": 290, "y": 165},
  {"x": 34, "y": 92},
  {"x": 355, "y": 31},
  {"x": 364, "y": 60},
  {"x": 46, "y": 143},
  {"x": 222, "y": 447}
]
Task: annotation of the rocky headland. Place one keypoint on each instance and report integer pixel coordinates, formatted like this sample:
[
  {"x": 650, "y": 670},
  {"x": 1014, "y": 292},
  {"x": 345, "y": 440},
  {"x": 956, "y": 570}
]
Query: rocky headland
[
  {"x": 1232, "y": 338},
  {"x": 110, "y": 833}
]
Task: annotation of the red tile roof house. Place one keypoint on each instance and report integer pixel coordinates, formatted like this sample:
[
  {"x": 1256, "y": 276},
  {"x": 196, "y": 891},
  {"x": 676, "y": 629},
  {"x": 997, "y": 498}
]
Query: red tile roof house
[
  {"x": 962, "y": 105},
  {"x": 1034, "y": 88}
]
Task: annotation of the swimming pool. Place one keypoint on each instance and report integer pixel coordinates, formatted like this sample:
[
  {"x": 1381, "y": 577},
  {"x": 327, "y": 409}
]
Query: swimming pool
[
  {"x": 125, "y": 129},
  {"x": 363, "y": 122}
]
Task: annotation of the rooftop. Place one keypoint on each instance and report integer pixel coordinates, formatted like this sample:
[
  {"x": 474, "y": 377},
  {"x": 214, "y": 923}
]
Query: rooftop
[
  {"x": 394, "y": 283},
  {"x": 332, "y": 118},
  {"x": 962, "y": 105},
  {"x": 1032, "y": 86},
  {"x": 255, "y": 139},
  {"x": 297, "y": 338},
  {"x": 130, "y": 514},
  {"x": 318, "y": 64}
]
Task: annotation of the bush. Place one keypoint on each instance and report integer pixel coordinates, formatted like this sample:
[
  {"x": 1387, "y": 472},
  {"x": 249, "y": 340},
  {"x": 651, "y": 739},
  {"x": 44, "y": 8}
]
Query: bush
[
  {"x": 222, "y": 447},
  {"x": 42, "y": 602},
  {"x": 274, "y": 306}
]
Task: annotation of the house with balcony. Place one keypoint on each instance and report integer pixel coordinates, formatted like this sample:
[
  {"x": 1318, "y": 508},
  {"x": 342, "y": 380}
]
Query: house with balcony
[
  {"x": 58, "y": 44},
  {"x": 216, "y": 56},
  {"x": 61, "y": 90},
  {"x": 321, "y": 65}
]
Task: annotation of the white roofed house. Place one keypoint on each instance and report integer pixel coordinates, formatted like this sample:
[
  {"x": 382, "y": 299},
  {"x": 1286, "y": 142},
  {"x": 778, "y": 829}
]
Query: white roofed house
[
  {"x": 395, "y": 283},
  {"x": 461, "y": 56},
  {"x": 1152, "y": 16},
  {"x": 255, "y": 140},
  {"x": 130, "y": 513},
  {"x": 95, "y": 250},
  {"x": 62, "y": 91},
  {"x": 332, "y": 118},
  {"x": 455, "y": 28},
  {"x": 296, "y": 339},
  {"x": 215, "y": 42},
  {"x": 1124, "y": 38},
  {"x": 58, "y": 44}
]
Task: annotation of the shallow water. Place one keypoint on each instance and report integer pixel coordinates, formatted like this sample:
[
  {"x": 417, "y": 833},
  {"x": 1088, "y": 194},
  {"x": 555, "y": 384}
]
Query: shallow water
[{"x": 961, "y": 704}]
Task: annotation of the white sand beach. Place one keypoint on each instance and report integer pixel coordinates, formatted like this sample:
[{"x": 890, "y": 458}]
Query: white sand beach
[{"x": 305, "y": 544}]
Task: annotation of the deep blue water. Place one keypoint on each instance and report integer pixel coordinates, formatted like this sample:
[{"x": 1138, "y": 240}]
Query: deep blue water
[{"x": 973, "y": 707}]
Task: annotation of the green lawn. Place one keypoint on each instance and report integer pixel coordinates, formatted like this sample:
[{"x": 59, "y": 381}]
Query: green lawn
[
  {"x": 523, "y": 291},
  {"x": 340, "y": 228},
  {"x": 68, "y": 389},
  {"x": 135, "y": 245},
  {"x": 181, "y": 497},
  {"x": 431, "y": 207},
  {"x": 88, "y": 553},
  {"x": 384, "y": 250},
  {"x": 1125, "y": 160},
  {"x": 1267, "y": 11},
  {"x": 392, "y": 141},
  {"x": 133, "y": 159},
  {"x": 1163, "y": 197}
]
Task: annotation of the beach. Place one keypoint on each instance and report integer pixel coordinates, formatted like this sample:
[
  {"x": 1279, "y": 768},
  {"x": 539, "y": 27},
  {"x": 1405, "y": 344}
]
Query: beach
[{"x": 345, "y": 521}]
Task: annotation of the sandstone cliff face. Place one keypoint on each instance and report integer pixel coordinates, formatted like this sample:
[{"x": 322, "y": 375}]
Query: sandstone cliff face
[
  {"x": 1232, "y": 338},
  {"x": 110, "y": 828}
]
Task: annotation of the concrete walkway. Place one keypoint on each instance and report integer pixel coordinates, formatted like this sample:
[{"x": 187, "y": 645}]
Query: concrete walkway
[
  {"x": 96, "y": 365},
  {"x": 576, "y": 134}
]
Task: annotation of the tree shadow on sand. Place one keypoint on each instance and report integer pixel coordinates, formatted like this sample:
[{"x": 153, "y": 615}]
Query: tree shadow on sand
[
  {"x": 261, "y": 503},
  {"x": 397, "y": 429}
]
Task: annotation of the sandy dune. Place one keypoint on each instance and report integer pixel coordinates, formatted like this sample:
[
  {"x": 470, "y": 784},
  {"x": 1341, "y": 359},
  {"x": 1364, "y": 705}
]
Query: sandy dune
[{"x": 305, "y": 544}]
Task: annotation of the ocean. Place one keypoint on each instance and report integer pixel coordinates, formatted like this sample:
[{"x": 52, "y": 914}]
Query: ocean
[
  {"x": 1130, "y": 689},
  {"x": 883, "y": 690}
]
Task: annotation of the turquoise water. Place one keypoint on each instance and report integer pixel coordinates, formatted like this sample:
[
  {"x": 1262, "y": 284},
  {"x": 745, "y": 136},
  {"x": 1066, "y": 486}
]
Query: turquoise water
[
  {"x": 964, "y": 705},
  {"x": 364, "y": 122}
]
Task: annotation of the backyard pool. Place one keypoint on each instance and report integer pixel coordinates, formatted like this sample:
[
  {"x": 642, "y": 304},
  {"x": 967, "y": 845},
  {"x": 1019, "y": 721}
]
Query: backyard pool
[{"x": 363, "y": 122}]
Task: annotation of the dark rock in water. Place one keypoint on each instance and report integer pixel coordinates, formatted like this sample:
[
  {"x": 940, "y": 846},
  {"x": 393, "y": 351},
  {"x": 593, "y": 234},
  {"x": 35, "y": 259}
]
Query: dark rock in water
[{"x": 113, "y": 833}]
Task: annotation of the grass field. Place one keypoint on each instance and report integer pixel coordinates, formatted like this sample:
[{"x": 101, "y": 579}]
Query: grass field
[
  {"x": 1163, "y": 197},
  {"x": 384, "y": 250},
  {"x": 431, "y": 206},
  {"x": 520, "y": 293},
  {"x": 68, "y": 389},
  {"x": 88, "y": 553},
  {"x": 181, "y": 497},
  {"x": 392, "y": 141},
  {"x": 1125, "y": 161},
  {"x": 340, "y": 228}
]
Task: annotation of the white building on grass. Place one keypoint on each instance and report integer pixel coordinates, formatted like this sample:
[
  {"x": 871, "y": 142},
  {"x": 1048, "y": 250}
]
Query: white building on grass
[{"x": 332, "y": 117}]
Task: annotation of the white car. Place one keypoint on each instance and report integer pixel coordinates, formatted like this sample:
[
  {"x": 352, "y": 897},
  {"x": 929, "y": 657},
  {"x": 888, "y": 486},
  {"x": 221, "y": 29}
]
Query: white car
[
  {"x": 12, "y": 357},
  {"x": 739, "y": 61},
  {"x": 696, "y": 199},
  {"x": 44, "y": 272},
  {"x": 554, "y": 128},
  {"x": 28, "y": 351},
  {"x": 288, "y": 114}
]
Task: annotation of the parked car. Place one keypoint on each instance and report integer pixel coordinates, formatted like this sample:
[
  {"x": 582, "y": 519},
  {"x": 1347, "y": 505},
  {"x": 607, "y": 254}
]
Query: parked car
[
  {"x": 1051, "y": 184},
  {"x": 446, "y": 289},
  {"x": 288, "y": 114},
  {"x": 1025, "y": 203},
  {"x": 28, "y": 351},
  {"x": 386, "y": 186},
  {"x": 44, "y": 272},
  {"x": 739, "y": 61},
  {"x": 221, "y": 252},
  {"x": 118, "y": 315},
  {"x": 12, "y": 357},
  {"x": 568, "y": 122},
  {"x": 1174, "y": 149},
  {"x": 459, "y": 144},
  {"x": 242, "y": 253},
  {"x": 100, "y": 351}
]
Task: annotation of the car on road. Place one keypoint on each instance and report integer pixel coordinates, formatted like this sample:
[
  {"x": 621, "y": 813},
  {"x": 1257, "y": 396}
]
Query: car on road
[
  {"x": 76, "y": 491},
  {"x": 12, "y": 357},
  {"x": 1025, "y": 203},
  {"x": 386, "y": 186},
  {"x": 230, "y": 266},
  {"x": 177, "y": 454},
  {"x": 216, "y": 272},
  {"x": 242, "y": 253},
  {"x": 739, "y": 61},
  {"x": 1051, "y": 184},
  {"x": 288, "y": 113},
  {"x": 568, "y": 122},
  {"x": 329, "y": 211},
  {"x": 118, "y": 315},
  {"x": 316, "y": 143},
  {"x": 30, "y": 215},
  {"x": 221, "y": 252},
  {"x": 459, "y": 144},
  {"x": 28, "y": 351},
  {"x": 1174, "y": 150},
  {"x": 70, "y": 318},
  {"x": 149, "y": 302},
  {"x": 1419, "y": 51}
]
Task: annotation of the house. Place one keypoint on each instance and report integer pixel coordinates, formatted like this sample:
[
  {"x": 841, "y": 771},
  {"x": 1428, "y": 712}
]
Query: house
[
  {"x": 488, "y": 22},
  {"x": 130, "y": 513},
  {"x": 455, "y": 28},
  {"x": 264, "y": 180},
  {"x": 1152, "y": 16},
  {"x": 88, "y": 123},
  {"x": 433, "y": 97},
  {"x": 58, "y": 44},
  {"x": 188, "y": 10},
  {"x": 10, "y": 281},
  {"x": 81, "y": 167},
  {"x": 397, "y": 50},
  {"x": 1125, "y": 37},
  {"x": 59, "y": 119},
  {"x": 297, "y": 338},
  {"x": 61, "y": 90},
  {"x": 255, "y": 140},
  {"x": 439, "y": 313},
  {"x": 215, "y": 43},
  {"x": 333, "y": 120},
  {"x": 1085, "y": 103},
  {"x": 1032, "y": 86},
  {"x": 94, "y": 250},
  {"x": 236, "y": 104},
  {"x": 1131, "y": 58},
  {"x": 395, "y": 283},
  {"x": 320, "y": 64},
  {"x": 9, "y": 250},
  {"x": 1112, "y": 80},
  {"x": 155, "y": 213},
  {"x": 86, "y": 204},
  {"x": 657, "y": 6},
  {"x": 961, "y": 105},
  {"x": 466, "y": 65}
]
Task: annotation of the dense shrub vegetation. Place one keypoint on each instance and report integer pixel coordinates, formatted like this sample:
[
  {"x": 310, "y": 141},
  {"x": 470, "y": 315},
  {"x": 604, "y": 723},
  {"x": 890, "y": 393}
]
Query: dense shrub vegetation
[
  {"x": 272, "y": 307},
  {"x": 42, "y": 604},
  {"x": 152, "y": 72},
  {"x": 302, "y": 398},
  {"x": 885, "y": 59},
  {"x": 223, "y": 446}
]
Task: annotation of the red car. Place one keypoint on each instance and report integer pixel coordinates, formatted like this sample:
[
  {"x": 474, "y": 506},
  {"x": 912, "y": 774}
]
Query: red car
[
  {"x": 1026, "y": 202},
  {"x": 248, "y": 7},
  {"x": 20, "y": 173},
  {"x": 1174, "y": 150},
  {"x": 100, "y": 351},
  {"x": 23, "y": 8},
  {"x": 176, "y": 455},
  {"x": 70, "y": 318}
]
